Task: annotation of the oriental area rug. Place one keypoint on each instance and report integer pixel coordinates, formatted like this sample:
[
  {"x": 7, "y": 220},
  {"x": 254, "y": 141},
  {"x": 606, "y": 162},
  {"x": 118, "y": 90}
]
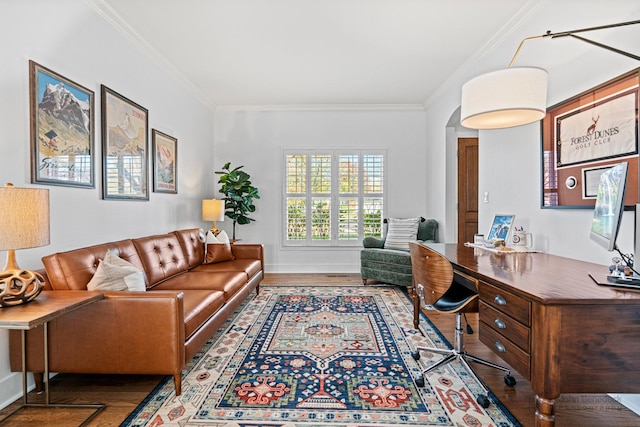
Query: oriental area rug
[{"x": 320, "y": 356}]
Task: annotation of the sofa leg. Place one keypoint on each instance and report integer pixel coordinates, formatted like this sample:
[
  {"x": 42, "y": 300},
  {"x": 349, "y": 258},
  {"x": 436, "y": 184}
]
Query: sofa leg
[
  {"x": 364, "y": 281},
  {"x": 258, "y": 289},
  {"x": 38, "y": 379},
  {"x": 177, "y": 382}
]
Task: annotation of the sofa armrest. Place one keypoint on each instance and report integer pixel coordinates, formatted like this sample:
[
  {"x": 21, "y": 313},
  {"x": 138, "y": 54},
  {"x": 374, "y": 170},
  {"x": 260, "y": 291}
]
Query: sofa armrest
[
  {"x": 373, "y": 242},
  {"x": 249, "y": 251},
  {"x": 125, "y": 332}
]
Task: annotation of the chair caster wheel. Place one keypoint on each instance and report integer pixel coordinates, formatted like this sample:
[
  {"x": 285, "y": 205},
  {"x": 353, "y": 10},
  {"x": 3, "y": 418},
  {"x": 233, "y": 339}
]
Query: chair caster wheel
[
  {"x": 509, "y": 380},
  {"x": 419, "y": 382},
  {"x": 483, "y": 401},
  {"x": 415, "y": 355}
]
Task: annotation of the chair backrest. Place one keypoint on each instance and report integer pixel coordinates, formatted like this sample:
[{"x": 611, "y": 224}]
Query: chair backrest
[{"x": 432, "y": 270}]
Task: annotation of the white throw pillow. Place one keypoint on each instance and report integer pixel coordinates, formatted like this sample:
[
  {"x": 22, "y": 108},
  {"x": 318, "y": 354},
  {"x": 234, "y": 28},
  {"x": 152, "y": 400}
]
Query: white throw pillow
[
  {"x": 115, "y": 274},
  {"x": 401, "y": 231}
]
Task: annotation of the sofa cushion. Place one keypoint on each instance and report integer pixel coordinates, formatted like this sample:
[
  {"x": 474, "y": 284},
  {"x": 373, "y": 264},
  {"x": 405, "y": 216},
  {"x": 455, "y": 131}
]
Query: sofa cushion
[
  {"x": 199, "y": 306},
  {"x": 116, "y": 274},
  {"x": 218, "y": 248},
  {"x": 228, "y": 282},
  {"x": 247, "y": 265},
  {"x": 400, "y": 231}
]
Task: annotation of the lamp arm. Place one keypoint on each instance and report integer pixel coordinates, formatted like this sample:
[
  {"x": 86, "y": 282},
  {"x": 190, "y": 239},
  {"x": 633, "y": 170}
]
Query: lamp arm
[{"x": 572, "y": 33}]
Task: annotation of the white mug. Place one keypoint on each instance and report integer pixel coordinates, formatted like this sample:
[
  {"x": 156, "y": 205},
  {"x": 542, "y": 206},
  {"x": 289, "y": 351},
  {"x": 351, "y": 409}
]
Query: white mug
[{"x": 522, "y": 238}]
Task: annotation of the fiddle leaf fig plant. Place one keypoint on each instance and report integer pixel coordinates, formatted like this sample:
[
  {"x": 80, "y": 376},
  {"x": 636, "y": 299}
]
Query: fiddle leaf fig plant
[{"x": 238, "y": 195}]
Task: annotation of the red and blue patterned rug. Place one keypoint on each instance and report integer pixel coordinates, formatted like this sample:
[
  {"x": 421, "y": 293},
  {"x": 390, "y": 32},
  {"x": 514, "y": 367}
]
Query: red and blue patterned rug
[{"x": 319, "y": 356}]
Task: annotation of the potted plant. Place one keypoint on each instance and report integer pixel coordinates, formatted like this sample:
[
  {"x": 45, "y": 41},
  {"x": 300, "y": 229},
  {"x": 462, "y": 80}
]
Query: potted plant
[{"x": 238, "y": 195}]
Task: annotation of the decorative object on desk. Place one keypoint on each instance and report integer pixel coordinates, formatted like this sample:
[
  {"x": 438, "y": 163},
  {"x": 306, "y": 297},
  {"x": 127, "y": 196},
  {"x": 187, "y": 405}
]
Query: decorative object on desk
[
  {"x": 24, "y": 223},
  {"x": 501, "y": 227},
  {"x": 238, "y": 195},
  {"x": 322, "y": 355},
  {"x": 522, "y": 238},
  {"x": 517, "y": 96},
  {"x": 478, "y": 239},
  {"x": 213, "y": 210},
  {"x": 165, "y": 162},
  {"x": 62, "y": 129},
  {"x": 125, "y": 145}
]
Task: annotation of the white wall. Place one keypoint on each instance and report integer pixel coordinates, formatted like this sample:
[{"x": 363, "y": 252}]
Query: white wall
[
  {"x": 71, "y": 39},
  {"x": 509, "y": 159},
  {"x": 257, "y": 139}
]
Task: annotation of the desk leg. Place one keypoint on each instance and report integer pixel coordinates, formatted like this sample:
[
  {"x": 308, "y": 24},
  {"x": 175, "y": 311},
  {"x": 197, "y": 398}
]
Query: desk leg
[{"x": 545, "y": 412}]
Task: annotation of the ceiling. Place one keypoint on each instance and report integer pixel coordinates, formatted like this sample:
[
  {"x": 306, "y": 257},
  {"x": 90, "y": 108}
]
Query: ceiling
[{"x": 390, "y": 53}]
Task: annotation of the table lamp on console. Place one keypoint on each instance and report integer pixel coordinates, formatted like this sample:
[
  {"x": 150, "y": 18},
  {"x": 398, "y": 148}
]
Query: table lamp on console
[
  {"x": 24, "y": 223},
  {"x": 213, "y": 210}
]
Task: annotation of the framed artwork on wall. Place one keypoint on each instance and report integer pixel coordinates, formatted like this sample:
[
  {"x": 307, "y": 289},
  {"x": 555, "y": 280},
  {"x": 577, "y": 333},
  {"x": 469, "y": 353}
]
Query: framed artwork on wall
[
  {"x": 62, "y": 129},
  {"x": 165, "y": 162},
  {"x": 125, "y": 142},
  {"x": 587, "y": 134}
]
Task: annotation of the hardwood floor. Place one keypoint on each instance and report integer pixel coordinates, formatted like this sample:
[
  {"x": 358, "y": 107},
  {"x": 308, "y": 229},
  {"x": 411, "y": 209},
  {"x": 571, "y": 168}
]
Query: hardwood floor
[{"x": 122, "y": 393}]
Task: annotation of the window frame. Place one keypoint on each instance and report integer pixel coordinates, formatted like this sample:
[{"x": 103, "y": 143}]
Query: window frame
[{"x": 334, "y": 196}]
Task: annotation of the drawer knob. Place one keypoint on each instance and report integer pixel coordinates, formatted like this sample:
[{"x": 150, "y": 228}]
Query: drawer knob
[
  {"x": 499, "y": 299},
  {"x": 499, "y": 323},
  {"x": 499, "y": 346}
]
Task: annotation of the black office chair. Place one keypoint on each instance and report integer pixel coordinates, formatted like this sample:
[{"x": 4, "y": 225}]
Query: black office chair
[{"x": 439, "y": 289}]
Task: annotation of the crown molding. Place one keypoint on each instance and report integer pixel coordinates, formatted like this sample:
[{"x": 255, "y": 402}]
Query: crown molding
[
  {"x": 111, "y": 17},
  {"x": 321, "y": 107}
]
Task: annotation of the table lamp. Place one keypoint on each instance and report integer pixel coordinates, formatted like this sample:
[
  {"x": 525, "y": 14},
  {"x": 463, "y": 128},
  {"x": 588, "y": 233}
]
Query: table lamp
[
  {"x": 213, "y": 210},
  {"x": 24, "y": 223}
]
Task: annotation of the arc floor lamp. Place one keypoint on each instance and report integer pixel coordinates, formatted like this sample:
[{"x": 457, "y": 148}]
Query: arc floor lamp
[{"x": 517, "y": 95}]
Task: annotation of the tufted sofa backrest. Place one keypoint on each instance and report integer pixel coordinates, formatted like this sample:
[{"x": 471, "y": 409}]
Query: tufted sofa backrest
[
  {"x": 162, "y": 257},
  {"x": 72, "y": 270},
  {"x": 192, "y": 241}
]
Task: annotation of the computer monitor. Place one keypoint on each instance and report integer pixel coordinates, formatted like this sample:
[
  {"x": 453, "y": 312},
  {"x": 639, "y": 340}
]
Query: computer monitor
[{"x": 607, "y": 214}]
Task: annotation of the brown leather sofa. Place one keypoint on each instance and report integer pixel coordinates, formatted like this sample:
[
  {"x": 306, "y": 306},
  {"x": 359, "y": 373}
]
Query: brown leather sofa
[{"x": 152, "y": 332}]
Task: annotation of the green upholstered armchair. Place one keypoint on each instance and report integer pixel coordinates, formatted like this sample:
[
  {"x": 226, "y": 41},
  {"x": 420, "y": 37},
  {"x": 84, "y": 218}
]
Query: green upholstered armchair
[{"x": 392, "y": 265}]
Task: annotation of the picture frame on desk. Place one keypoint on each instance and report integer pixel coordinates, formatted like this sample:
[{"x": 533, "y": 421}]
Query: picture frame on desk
[{"x": 501, "y": 227}]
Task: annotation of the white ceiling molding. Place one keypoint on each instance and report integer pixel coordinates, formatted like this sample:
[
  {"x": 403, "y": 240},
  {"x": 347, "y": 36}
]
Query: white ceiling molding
[
  {"x": 111, "y": 16},
  {"x": 322, "y": 107}
]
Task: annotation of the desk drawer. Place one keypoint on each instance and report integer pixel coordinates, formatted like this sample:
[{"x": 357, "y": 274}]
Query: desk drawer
[
  {"x": 506, "y": 302},
  {"x": 511, "y": 329},
  {"x": 508, "y": 351}
]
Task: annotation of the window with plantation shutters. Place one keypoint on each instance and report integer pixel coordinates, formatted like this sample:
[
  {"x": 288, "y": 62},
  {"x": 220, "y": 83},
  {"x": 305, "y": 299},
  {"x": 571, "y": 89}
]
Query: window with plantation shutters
[{"x": 332, "y": 197}]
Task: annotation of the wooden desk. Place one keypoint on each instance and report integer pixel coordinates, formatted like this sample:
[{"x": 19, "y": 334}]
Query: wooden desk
[
  {"x": 545, "y": 317},
  {"x": 47, "y": 306}
]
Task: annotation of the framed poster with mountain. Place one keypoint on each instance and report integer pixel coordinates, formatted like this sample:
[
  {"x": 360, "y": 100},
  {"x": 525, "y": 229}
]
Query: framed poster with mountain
[
  {"x": 125, "y": 142},
  {"x": 62, "y": 129}
]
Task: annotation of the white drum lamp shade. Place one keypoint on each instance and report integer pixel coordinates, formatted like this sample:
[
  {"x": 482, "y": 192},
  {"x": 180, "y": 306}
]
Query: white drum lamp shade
[
  {"x": 504, "y": 98},
  {"x": 24, "y": 223},
  {"x": 213, "y": 210}
]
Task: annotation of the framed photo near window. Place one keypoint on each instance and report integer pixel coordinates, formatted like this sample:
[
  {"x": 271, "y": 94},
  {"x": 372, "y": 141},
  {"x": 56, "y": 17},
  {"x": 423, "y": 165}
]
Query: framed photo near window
[
  {"x": 165, "y": 162},
  {"x": 125, "y": 144},
  {"x": 62, "y": 129},
  {"x": 593, "y": 130}
]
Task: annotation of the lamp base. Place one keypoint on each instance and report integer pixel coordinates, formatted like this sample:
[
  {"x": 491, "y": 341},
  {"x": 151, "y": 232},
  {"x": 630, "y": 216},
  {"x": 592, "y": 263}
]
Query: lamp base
[{"x": 19, "y": 286}]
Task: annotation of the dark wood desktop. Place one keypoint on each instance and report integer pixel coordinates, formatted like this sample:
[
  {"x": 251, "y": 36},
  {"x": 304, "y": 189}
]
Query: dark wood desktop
[{"x": 545, "y": 317}]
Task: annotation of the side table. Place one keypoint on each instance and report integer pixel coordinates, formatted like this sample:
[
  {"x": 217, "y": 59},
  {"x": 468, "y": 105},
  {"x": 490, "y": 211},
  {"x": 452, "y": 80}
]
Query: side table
[{"x": 46, "y": 307}]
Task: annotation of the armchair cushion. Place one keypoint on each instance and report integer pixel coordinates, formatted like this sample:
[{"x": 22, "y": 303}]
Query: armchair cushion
[{"x": 400, "y": 231}]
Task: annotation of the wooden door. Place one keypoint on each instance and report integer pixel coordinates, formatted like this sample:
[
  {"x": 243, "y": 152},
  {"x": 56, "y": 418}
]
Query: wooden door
[{"x": 467, "y": 189}]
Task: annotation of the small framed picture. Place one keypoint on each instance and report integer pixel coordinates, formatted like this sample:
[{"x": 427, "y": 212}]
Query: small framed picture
[
  {"x": 125, "y": 145},
  {"x": 165, "y": 162},
  {"x": 62, "y": 134},
  {"x": 501, "y": 227},
  {"x": 590, "y": 180}
]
